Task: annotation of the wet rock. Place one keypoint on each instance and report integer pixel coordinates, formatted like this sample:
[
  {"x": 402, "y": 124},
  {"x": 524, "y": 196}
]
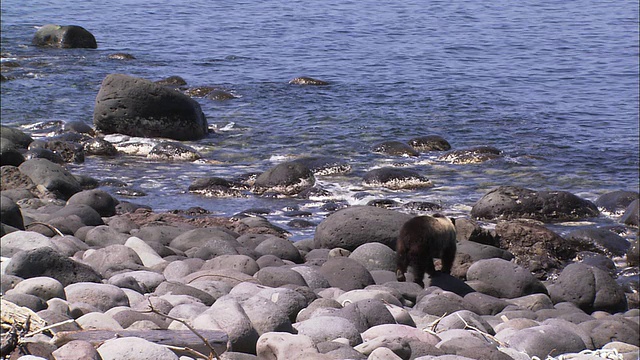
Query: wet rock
[
  {"x": 51, "y": 176},
  {"x": 599, "y": 240},
  {"x": 346, "y": 274},
  {"x": 220, "y": 95},
  {"x": 138, "y": 107},
  {"x": 99, "y": 147},
  {"x": 395, "y": 178},
  {"x": 506, "y": 279},
  {"x": 473, "y": 155},
  {"x": 430, "y": 143},
  {"x": 121, "y": 56},
  {"x": 630, "y": 216},
  {"x": 47, "y": 262},
  {"x": 511, "y": 202},
  {"x": 288, "y": 178},
  {"x": 633, "y": 254},
  {"x": 42, "y": 153},
  {"x": 395, "y": 148},
  {"x": 535, "y": 247},
  {"x": 173, "y": 81},
  {"x": 216, "y": 187},
  {"x": 616, "y": 202},
  {"x": 16, "y": 136},
  {"x": 324, "y": 165},
  {"x": 68, "y": 36},
  {"x": 305, "y": 80},
  {"x": 173, "y": 151},
  {"x": 590, "y": 288},
  {"x": 70, "y": 152},
  {"x": 10, "y": 213},
  {"x": 98, "y": 200},
  {"x": 10, "y": 153},
  {"x": 353, "y": 226}
]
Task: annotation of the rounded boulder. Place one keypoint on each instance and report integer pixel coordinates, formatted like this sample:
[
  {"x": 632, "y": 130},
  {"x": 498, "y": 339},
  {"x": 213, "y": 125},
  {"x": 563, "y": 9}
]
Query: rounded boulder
[
  {"x": 505, "y": 279},
  {"x": 67, "y": 36},
  {"x": 288, "y": 178},
  {"x": 346, "y": 274}
]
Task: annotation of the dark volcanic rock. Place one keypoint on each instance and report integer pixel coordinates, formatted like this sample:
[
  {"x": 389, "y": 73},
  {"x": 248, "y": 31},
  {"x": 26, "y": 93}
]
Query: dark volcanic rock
[
  {"x": 305, "y": 80},
  {"x": 9, "y": 153},
  {"x": 511, "y": 202},
  {"x": 630, "y": 216},
  {"x": 324, "y": 165},
  {"x": 100, "y": 147},
  {"x": 469, "y": 230},
  {"x": 86, "y": 213},
  {"x": 45, "y": 261},
  {"x": 351, "y": 227},
  {"x": 288, "y": 178},
  {"x": 174, "y": 151},
  {"x": 68, "y": 36},
  {"x": 52, "y": 176},
  {"x": 616, "y": 201},
  {"x": 430, "y": 143},
  {"x": 139, "y": 107},
  {"x": 17, "y": 137},
  {"x": 395, "y": 148},
  {"x": 588, "y": 287},
  {"x": 68, "y": 151},
  {"x": 599, "y": 240},
  {"x": 396, "y": 178},
  {"x": 216, "y": 187},
  {"x": 535, "y": 247}
]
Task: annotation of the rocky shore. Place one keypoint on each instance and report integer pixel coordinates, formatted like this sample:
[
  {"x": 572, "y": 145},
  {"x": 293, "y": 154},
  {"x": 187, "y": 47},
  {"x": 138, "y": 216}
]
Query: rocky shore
[{"x": 103, "y": 279}]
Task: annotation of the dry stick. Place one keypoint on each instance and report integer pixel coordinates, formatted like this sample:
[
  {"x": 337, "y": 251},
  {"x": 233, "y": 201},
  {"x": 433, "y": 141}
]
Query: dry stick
[
  {"x": 184, "y": 322},
  {"x": 483, "y": 333},
  {"x": 52, "y": 326}
]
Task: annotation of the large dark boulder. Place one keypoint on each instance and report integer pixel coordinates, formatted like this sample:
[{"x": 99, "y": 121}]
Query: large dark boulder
[
  {"x": 512, "y": 202},
  {"x": 10, "y": 153},
  {"x": 590, "y": 288},
  {"x": 535, "y": 247},
  {"x": 346, "y": 274},
  {"x": 351, "y": 227},
  {"x": 52, "y": 176},
  {"x": 288, "y": 178},
  {"x": 430, "y": 143},
  {"x": 68, "y": 36},
  {"x": 630, "y": 216},
  {"x": 98, "y": 200},
  {"x": 139, "y": 107},
  {"x": 45, "y": 261},
  {"x": 396, "y": 178},
  {"x": 10, "y": 213},
  {"x": 395, "y": 148},
  {"x": 17, "y": 137}
]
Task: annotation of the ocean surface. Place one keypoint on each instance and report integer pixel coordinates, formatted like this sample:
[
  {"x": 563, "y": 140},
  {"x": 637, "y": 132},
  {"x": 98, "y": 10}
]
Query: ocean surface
[{"x": 552, "y": 84}]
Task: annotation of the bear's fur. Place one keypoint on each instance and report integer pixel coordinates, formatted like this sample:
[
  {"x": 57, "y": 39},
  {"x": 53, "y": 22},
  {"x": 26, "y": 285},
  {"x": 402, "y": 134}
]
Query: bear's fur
[{"x": 421, "y": 239}]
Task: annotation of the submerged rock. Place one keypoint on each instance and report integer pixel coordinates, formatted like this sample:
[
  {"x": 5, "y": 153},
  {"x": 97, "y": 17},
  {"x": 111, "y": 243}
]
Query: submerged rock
[
  {"x": 68, "y": 36},
  {"x": 288, "y": 178},
  {"x": 395, "y": 148},
  {"x": 173, "y": 151},
  {"x": 396, "y": 178},
  {"x": 616, "y": 201},
  {"x": 324, "y": 165},
  {"x": 430, "y": 143},
  {"x": 512, "y": 202},
  {"x": 304, "y": 80},
  {"x": 139, "y": 107},
  {"x": 473, "y": 155}
]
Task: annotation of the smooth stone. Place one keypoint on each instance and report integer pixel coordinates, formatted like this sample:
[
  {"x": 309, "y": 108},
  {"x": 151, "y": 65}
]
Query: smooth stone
[
  {"x": 53, "y": 177},
  {"x": 41, "y": 286},
  {"x": 130, "y": 348},
  {"x": 77, "y": 350},
  {"x": 113, "y": 259},
  {"x": 266, "y": 316},
  {"x": 23, "y": 240},
  {"x": 280, "y": 345},
  {"x": 99, "y": 200},
  {"x": 312, "y": 276},
  {"x": 543, "y": 340},
  {"x": 406, "y": 332},
  {"x": 346, "y": 274},
  {"x": 505, "y": 278},
  {"x": 242, "y": 263},
  {"x": 327, "y": 328},
  {"x": 98, "y": 321},
  {"x": 462, "y": 319},
  {"x": 102, "y": 296},
  {"x": 282, "y": 248},
  {"x": 375, "y": 256},
  {"x": 148, "y": 256},
  {"x": 279, "y": 276}
]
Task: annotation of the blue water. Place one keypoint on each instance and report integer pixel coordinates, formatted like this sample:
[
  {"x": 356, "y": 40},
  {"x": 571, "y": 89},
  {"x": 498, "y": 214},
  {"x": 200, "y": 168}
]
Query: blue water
[{"x": 552, "y": 84}]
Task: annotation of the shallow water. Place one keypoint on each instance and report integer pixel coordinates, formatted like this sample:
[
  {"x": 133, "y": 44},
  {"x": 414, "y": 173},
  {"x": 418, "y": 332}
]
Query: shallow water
[{"x": 553, "y": 85}]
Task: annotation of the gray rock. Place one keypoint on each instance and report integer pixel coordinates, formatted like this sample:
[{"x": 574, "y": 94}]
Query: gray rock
[
  {"x": 543, "y": 340},
  {"x": 23, "y": 240},
  {"x": 290, "y": 301},
  {"x": 103, "y": 235},
  {"x": 474, "y": 155},
  {"x": 10, "y": 213},
  {"x": 42, "y": 286},
  {"x": 630, "y": 216},
  {"x": 173, "y": 151},
  {"x": 229, "y": 276},
  {"x": 312, "y": 276},
  {"x": 353, "y": 226},
  {"x": 398, "y": 347},
  {"x": 266, "y": 316},
  {"x": 19, "y": 138},
  {"x": 47, "y": 262},
  {"x": 68, "y": 245},
  {"x": 590, "y": 288},
  {"x": 375, "y": 256},
  {"x": 99, "y": 147},
  {"x": 51, "y": 176},
  {"x": 87, "y": 214},
  {"x": 178, "y": 269},
  {"x": 511, "y": 202},
  {"x": 242, "y": 263},
  {"x": 67, "y": 36},
  {"x": 485, "y": 304},
  {"x": 162, "y": 234},
  {"x": 197, "y": 238},
  {"x": 282, "y": 248},
  {"x": 327, "y": 328},
  {"x": 138, "y": 107},
  {"x": 25, "y": 300},
  {"x": 98, "y": 200},
  {"x": 77, "y": 350},
  {"x": 461, "y": 319},
  {"x": 406, "y": 332},
  {"x": 441, "y": 302},
  {"x": 602, "y": 331},
  {"x": 279, "y": 276},
  {"x": 346, "y": 274},
  {"x": 395, "y": 178},
  {"x": 599, "y": 240},
  {"x": 324, "y": 165},
  {"x": 176, "y": 288},
  {"x": 288, "y": 178},
  {"x": 282, "y": 345},
  {"x": 505, "y": 278},
  {"x": 131, "y": 348},
  {"x": 101, "y": 296},
  {"x": 113, "y": 259}
]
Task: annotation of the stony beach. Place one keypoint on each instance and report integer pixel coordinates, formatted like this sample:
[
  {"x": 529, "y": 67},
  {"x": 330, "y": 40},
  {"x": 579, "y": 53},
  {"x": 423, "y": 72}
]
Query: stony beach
[
  {"x": 88, "y": 276},
  {"x": 119, "y": 281}
]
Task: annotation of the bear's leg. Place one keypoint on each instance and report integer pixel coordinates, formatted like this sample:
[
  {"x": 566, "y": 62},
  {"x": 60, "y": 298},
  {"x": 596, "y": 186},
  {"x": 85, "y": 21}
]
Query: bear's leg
[
  {"x": 418, "y": 271},
  {"x": 402, "y": 264},
  {"x": 448, "y": 255}
]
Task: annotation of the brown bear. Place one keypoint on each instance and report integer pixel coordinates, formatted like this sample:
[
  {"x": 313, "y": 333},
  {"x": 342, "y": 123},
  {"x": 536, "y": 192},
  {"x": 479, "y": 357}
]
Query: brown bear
[{"x": 421, "y": 239}]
